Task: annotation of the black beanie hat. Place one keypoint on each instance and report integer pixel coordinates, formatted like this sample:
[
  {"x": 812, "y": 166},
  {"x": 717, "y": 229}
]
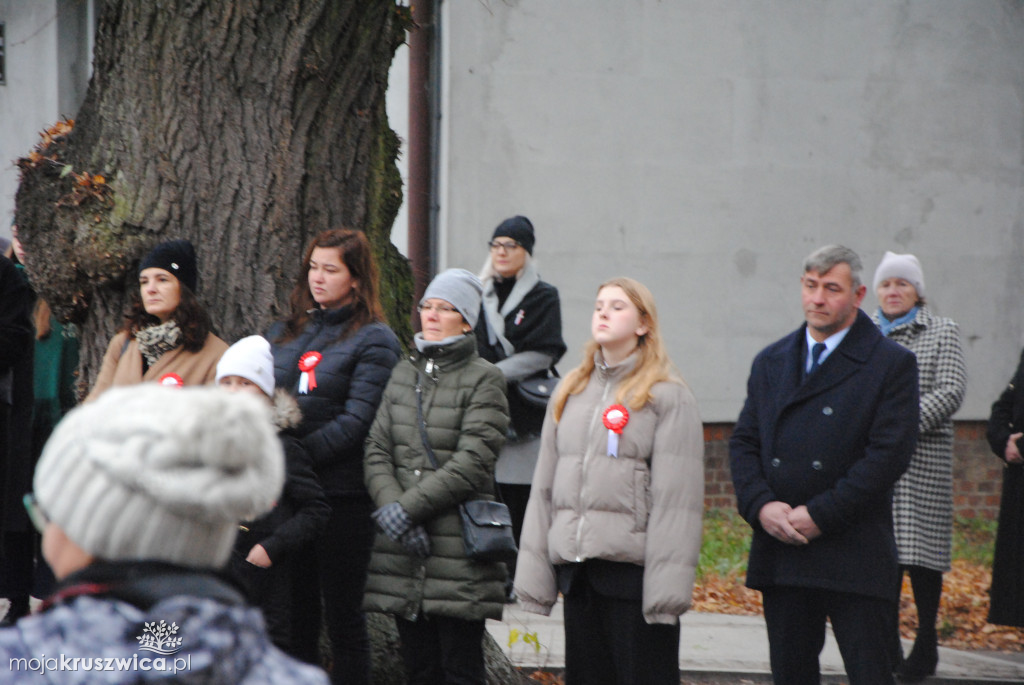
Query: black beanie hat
[
  {"x": 176, "y": 256},
  {"x": 519, "y": 229}
]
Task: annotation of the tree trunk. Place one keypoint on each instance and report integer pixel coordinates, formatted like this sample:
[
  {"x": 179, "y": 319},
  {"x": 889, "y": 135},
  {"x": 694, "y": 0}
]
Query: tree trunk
[{"x": 246, "y": 128}]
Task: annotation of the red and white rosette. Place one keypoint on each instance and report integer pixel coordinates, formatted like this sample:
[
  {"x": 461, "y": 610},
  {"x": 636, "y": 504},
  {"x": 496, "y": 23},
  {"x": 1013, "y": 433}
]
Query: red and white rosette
[
  {"x": 171, "y": 380},
  {"x": 615, "y": 419},
  {"x": 307, "y": 364}
]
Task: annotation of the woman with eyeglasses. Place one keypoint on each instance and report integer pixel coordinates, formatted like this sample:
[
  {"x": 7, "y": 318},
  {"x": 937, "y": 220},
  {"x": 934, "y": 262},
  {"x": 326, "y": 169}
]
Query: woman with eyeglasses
[
  {"x": 519, "y": 331},
  {"x": 334, "y": 354},
  {"x": 449, "y": 403}
]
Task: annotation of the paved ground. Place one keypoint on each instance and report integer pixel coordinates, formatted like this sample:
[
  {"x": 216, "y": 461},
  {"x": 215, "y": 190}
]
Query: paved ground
[{"x": 717, "y": 649}]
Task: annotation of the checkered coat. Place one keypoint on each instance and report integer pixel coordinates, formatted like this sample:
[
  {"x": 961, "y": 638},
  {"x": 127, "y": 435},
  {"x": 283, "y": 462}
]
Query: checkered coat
[{"x": 923, "y": 497}]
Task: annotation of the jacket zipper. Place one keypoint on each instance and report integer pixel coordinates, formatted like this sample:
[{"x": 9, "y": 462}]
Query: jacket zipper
[{"x": 603, "y": 373}]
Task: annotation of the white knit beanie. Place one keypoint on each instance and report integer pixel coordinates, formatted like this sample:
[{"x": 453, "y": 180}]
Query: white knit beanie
[
  {"x": 459, "y": 287},
  {"x": 166, "y": 474},
  {"x": 903, "y": 266},
  {"x": 249, "y": 358}
]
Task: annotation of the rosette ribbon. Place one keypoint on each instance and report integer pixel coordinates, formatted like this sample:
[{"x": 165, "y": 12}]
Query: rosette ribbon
[
  {"x": 171, "y": 380},
  {"x": 307, "y": 364},
  {"x": 615, "y": 419}
]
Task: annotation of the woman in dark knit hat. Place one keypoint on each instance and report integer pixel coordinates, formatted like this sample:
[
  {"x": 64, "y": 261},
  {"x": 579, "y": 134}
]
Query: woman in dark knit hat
[
  {"x": 520, "y": 331},
  {"x": 166, "y": 335}
]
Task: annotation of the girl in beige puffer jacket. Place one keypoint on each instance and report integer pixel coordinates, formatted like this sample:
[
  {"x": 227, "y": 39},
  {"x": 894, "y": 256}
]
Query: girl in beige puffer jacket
[{"x": 614, "y": 518}]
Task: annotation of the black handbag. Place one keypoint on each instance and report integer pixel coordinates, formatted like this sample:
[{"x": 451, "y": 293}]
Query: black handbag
[
  {"x": 487, "y": 530},
  {"x": 486, "y": 524},
  {"x": 535, "y": 391}
]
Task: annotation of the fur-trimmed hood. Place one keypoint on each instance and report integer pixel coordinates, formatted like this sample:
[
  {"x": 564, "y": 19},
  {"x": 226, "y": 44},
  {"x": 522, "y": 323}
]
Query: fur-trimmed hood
[{"x": 287, "y": 415}]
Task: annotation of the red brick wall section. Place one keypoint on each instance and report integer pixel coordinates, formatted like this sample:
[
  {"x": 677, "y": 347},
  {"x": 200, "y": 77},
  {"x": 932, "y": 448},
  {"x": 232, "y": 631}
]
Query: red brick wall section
[{"x": 977, "y": 473}]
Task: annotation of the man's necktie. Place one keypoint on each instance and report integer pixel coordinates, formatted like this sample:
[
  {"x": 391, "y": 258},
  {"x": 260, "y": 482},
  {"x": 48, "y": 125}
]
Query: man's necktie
[{"x": 815, "y": 356}]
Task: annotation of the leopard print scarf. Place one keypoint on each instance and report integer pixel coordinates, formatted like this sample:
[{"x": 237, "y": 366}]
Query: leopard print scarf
[{"x": 155, "y": 340}]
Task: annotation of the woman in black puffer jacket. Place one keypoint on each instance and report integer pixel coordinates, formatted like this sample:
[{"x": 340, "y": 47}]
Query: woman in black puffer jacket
[{"x": 335, "y": 355}]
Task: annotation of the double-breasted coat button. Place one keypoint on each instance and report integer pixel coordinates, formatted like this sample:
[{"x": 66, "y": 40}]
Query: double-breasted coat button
[
  {"x": 776, "y": 461},
  {"x": 816, "y": 465},
  {"x": 827, "y": 411}
]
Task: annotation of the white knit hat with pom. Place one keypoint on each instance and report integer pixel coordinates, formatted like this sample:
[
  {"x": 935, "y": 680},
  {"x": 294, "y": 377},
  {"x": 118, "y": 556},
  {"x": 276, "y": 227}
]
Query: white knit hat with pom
[{"x": 166, "y": 474}]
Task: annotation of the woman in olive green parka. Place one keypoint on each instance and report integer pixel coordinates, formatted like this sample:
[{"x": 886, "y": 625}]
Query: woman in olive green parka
[{"x": 419, "y": 571}]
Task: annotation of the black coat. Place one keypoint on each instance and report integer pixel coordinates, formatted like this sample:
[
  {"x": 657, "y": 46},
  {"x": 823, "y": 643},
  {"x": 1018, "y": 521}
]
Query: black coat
[
  {"x": 301, "y": 512},
  {"x": 836, "y": 443},
  {"x": 17, "y": 342},
  {"x": 534, "y": 324},
  {"x": 1007, "y": 594},
  {"x": 337, "y": 414}
]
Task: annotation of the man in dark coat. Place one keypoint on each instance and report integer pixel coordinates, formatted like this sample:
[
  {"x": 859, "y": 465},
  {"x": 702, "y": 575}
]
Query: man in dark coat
[
  {"x": 1006, "y": 606},
  {"x": 828, "y": 427}
]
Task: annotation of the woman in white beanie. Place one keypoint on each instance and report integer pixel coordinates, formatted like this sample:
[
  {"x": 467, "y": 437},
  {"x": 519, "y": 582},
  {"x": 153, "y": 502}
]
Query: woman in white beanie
[
  {"x": 447, "y": 400},
  {"x": 264, "y": 553},
  {"x": 923, "y": 497},
  {"x": 139, "y": 496},
  {"x": 167, "y": 336}
]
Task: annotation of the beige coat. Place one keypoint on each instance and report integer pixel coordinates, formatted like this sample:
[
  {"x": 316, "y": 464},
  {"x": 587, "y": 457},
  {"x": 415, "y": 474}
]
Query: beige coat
[
  {"x": 195, "y": 368},
  {"x": 643, "y": 506}
]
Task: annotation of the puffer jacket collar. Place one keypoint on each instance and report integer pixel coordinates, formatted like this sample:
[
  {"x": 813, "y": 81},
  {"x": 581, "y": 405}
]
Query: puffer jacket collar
[
  {"x": 330, "y": 317},
  {"x": 614, "y": 374},
  {"x": 440, "y": 359}
]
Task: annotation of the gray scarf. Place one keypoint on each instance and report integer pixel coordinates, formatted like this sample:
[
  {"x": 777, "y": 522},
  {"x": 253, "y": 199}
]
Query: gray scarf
[{"x": 495, "y": 317}]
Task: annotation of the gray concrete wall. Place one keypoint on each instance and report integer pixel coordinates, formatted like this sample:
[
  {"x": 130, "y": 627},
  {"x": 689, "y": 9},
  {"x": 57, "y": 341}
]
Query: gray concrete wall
[
  {"x": 49, "y": 58},
  {"x": 29, "y": 100},
  {"x": 705, "y": 147}
]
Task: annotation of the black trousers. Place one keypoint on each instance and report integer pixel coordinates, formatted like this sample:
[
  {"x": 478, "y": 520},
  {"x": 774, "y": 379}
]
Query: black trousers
[
  {"x": 796, "y": 634},
  {"x": 336, "y": 570},
  {"x": 607, "y": 640},
  {"x": 344, "y": 552},
  {"x": 270, "y": 590},
  {"x": 438, "y": 649}
]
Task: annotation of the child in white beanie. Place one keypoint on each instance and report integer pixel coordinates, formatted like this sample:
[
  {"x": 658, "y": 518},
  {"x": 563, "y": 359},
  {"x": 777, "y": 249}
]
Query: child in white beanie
[
  {"x": 261, "y": 559},
  {"x": 138, "y": 496}
]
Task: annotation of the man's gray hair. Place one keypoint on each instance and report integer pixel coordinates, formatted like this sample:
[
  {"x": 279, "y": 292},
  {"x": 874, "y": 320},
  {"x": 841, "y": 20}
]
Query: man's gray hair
[{"x": 824, "y": 258}]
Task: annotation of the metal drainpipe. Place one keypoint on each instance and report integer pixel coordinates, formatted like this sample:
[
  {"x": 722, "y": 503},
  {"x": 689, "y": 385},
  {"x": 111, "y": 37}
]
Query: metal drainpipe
[{"x": 422, "y": 107}]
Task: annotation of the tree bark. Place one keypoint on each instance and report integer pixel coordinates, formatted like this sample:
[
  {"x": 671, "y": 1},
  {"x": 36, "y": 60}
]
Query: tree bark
[{"x": 246, "y": 127}]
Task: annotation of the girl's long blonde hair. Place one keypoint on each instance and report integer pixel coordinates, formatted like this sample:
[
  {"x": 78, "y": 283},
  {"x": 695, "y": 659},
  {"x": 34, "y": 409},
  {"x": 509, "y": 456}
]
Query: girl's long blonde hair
[{"x": 652, "y": 366}]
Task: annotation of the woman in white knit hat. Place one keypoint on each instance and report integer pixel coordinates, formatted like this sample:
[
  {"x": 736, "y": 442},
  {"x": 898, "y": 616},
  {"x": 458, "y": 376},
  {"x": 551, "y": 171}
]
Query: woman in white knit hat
[
  {"x": 923, "y": 497},
  {"x": 264, "y": 553},
  {"x": 139, "y": 496}
]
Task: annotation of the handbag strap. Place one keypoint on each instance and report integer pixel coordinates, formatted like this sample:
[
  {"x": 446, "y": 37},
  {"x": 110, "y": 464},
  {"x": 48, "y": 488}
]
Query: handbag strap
[
  {"x": 423, "y": 428},
  {"x": 423, "y": 424}
]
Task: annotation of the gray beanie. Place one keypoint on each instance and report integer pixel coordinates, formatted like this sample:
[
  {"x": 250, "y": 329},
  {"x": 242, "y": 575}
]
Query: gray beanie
[
  {"x": 903, "y": 266},
  {"x": 459, "y": 287},
  {"x": 166, "y": 474}
]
